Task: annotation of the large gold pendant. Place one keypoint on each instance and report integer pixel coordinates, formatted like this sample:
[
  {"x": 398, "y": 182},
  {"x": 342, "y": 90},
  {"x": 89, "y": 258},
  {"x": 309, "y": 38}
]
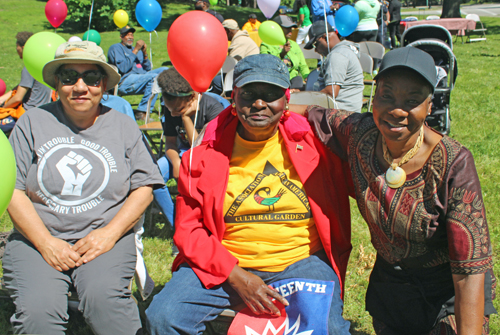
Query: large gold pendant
[{"x": 395, "y": 178}]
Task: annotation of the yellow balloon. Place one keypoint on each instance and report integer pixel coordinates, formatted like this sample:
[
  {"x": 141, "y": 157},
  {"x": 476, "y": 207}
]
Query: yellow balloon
[{"x": 120, "y": 18}]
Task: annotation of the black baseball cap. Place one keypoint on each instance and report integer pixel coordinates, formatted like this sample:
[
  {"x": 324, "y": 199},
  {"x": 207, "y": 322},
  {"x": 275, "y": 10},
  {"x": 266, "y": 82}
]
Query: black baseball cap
[
  {"x": 410, "y": 58},
  {"x": 285, "y": 21},
  {"x": 317, "y": 29},
  {"x": 125, "y": 30},
  {"x": 252, "y": 16}
]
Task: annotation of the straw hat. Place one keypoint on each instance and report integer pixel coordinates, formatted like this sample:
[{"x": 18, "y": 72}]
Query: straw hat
[{"x": 81, "y": 52}]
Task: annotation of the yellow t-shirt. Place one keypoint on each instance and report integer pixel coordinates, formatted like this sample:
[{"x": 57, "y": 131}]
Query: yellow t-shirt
[
  {"x": 268, "y": 219},
  {"x": 249, "y": 26}
]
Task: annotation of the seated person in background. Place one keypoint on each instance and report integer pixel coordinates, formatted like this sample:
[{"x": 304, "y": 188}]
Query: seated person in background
[
  {"x": 252, "y": 24},
  {"x": 134, "y": 67},
  {"x": 255, "y": 159},
  {"x": 340, "y": 69},
  {"x": 241, "y": 43},
  {"x": 204, "y": 5},
  {"x": 290, "y": 53},
  {"x": 178, "y": 123},
  {"x": 241, "y": 46},
  {"x": 29, "y": 93}
]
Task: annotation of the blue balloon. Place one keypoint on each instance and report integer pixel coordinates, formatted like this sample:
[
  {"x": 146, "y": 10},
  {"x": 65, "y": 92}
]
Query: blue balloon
[
  {"x": 148, "y": 14},
  {"x": 346, "y": 20}
]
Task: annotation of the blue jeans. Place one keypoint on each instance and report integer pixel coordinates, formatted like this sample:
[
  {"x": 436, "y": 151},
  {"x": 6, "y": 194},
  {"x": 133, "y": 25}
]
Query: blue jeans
[
  {"x": 140, "y": 84},
  {"x": 162, "y": 196},
  {"x": 184, "y": 305}
]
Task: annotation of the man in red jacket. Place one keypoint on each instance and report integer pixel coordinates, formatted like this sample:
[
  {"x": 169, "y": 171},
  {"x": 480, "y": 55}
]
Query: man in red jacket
[{"x": 261, "y": 200}]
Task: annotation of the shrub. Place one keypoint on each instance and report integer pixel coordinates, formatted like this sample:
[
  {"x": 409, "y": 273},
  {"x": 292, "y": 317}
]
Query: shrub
[{"x": 102, "y": 15}]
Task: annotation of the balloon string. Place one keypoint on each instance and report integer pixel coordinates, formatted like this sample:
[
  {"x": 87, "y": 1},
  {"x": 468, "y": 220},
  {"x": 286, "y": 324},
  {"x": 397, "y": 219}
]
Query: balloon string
[
  {"x": 150, "y": 51},
  {"x": 90, "y": 20},
  {"x": 335, "y": 104},
  {"x": 192, "y": 141}
]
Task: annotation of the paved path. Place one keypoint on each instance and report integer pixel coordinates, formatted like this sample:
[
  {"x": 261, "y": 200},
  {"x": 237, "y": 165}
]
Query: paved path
[{"x": 491, "y": 9}]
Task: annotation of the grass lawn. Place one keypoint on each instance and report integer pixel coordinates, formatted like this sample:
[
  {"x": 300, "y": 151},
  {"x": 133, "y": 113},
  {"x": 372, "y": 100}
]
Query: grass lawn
[{"x": 475, "y": 105}]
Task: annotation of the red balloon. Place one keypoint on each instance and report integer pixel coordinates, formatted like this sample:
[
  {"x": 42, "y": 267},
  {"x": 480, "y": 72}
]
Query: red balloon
[
  {"x": 56, "y": 12},
  {"x": 197, "y": 47},
  {"x": 3, "y": 87}
]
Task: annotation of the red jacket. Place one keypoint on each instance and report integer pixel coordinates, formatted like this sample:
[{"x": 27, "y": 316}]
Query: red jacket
[{"x": 200, "y": 226}]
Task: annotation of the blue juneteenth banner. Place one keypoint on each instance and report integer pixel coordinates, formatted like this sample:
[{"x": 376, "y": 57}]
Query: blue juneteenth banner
[{"x": 307, "y": 312}]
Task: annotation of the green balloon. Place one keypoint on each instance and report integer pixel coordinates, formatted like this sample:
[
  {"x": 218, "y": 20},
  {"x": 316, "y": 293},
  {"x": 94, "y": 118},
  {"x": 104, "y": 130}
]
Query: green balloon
[
  {"x": 214, "y": 2},
  {"x": 271, "y": 33},
  {"x": 39, "y": 50},
  {"x": 93, "y": 36},
  {"x": 7, "y": 171}
]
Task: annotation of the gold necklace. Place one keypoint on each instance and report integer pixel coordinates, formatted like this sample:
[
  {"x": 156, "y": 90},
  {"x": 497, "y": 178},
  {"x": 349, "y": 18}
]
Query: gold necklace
[{"x": 395, "y": 176}]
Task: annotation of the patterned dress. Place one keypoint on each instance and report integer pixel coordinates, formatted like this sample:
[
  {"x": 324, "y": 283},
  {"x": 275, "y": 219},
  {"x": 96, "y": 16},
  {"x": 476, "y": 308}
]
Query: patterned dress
[{"x": 425, "y": 231}]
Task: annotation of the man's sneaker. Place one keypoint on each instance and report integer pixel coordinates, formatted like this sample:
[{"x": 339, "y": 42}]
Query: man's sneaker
[{"x": 140, "y": 115}]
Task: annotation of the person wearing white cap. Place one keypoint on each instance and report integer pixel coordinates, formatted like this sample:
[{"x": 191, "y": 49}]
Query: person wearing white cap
[
  {"x": 241, "y": 43},
  {"x": 84, "y": 179}
]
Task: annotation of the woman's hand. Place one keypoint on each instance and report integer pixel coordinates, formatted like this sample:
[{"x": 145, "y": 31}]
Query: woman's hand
[
  {"x": 254, "y": 292},
  {"x": 286, "y": 49},
  {"x": 59, "y": 254},
  {"x": 96, "y": 243},
  {"x": 102, "y": 240}
]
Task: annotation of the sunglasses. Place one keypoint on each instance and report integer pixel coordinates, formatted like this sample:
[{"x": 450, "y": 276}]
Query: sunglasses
[
  {"x": 90, "y": 78},
  {"x": 315, "y": 44}
]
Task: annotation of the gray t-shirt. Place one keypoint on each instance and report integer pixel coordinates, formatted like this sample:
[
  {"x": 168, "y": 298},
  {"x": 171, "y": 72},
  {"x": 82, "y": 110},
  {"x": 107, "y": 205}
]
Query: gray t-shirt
[
  {"x": 342, "y": 67},
  {"x": 79, "y": 179},
  {"x": 38, "y": 94}
]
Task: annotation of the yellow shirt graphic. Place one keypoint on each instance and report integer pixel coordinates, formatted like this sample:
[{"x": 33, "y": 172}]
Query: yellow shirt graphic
[{"x": 267, "y": 213}]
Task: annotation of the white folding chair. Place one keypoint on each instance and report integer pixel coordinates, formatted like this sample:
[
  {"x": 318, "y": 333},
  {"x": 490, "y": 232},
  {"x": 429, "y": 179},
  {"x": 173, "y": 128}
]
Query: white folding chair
[
  {"x": 373, "y": 49},
  {"x": 229, "y": 64},
  {"x": 310, "y": 54},
  {"x": 312, "y": 98},
  {"x": 367, "y": 65},
  {"x": 477, "y": 31},
  {"x": 411, "y": 18},
  {"x": 153, "y": 126},
  {"x": 228, "y": 82}
]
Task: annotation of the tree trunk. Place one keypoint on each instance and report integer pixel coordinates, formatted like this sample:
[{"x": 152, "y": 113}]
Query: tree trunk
[{"x": 451, "y": 8}]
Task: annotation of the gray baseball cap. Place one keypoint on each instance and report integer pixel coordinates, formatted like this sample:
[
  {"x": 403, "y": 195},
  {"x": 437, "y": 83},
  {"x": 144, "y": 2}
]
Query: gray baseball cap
[
  {"x": 262, "y": 68},
  {"x": 285, "y": 21},
  {"x": 411, "y": 58},
  {"x": 317, "y": 29}
]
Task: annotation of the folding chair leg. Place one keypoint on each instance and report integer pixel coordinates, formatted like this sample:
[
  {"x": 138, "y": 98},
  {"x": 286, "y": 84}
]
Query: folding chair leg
[
  {"x": 371, "y": 96},
  {"x": 148, "y": 108}
]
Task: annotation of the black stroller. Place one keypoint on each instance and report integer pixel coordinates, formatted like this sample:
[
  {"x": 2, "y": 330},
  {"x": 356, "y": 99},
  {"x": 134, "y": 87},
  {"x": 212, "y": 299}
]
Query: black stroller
[{"x": 436, "y": 41}]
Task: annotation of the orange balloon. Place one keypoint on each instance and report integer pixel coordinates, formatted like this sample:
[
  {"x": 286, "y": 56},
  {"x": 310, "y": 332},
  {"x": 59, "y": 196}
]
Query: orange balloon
[{"x": 197, "y": 47}]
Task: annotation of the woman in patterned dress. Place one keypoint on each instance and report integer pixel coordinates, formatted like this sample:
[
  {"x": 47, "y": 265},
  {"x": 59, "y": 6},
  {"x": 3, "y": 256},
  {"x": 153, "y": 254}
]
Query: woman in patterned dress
[{"x": 433, "y": 272}]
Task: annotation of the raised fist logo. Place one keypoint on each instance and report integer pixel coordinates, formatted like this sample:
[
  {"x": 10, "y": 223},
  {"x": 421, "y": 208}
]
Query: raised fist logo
[{"x": 73, "y": 182}]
